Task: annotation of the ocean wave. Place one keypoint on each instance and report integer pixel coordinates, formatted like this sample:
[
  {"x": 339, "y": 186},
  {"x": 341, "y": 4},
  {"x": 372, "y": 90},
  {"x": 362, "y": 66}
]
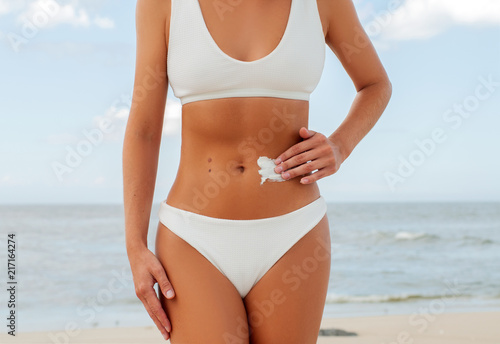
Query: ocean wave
[
  {"x": 468, "y": 239},
  {"x": 421, "y": 236},
  {"x": 335, "y": 298},
  {"x": 409, "y": 235},
  {"x": 403, "y": 235}
]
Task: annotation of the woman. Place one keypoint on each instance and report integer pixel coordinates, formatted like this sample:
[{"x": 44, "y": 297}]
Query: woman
[{"x": 243, "y": 247}]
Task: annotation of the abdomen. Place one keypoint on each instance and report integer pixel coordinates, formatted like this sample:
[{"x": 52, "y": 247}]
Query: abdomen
[{"x": 221, "y": 142}]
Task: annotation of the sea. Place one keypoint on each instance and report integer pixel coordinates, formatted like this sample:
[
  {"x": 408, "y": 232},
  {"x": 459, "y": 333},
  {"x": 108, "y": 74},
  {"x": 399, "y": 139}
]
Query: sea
[{"x": 423, "y": 259}]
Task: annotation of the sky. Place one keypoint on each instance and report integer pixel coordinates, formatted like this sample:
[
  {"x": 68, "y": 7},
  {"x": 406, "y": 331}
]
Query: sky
[{"x": 67, "y": 68}]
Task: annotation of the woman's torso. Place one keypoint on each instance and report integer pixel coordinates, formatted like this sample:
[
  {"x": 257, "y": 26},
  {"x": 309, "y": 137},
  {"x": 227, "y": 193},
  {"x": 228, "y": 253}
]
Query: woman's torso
[{"x": 222, "y": 138}]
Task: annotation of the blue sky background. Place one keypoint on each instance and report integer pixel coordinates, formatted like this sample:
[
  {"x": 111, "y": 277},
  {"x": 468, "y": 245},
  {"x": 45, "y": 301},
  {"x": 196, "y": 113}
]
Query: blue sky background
[{"x": 67, "y": 73}]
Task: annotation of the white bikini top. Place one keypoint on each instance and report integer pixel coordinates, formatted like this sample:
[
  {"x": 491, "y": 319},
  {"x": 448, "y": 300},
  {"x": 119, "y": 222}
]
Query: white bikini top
[{"x": 198, "y": 69}]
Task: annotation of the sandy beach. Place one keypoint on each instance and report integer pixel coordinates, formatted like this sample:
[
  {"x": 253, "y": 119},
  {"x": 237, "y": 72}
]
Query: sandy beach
[{"x": 446, "y": 328}]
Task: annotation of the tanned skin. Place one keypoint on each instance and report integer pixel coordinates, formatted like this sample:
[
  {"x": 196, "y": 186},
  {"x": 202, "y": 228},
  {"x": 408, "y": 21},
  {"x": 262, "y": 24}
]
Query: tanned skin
[{"x": 204, "y": 306}]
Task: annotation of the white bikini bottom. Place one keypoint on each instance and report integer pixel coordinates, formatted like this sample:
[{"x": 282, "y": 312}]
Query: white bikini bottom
[{"x": 243, "y": 250}]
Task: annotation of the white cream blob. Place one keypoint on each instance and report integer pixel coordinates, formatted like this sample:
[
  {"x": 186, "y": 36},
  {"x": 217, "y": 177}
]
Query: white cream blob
[{"x": 267, "y": 166}]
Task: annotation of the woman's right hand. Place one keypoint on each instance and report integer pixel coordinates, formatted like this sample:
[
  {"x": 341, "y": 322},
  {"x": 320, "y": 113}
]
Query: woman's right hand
[{"x": 147, "y": 270}]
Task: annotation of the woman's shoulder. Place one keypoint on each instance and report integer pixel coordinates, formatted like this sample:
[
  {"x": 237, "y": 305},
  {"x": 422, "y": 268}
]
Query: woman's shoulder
[{"x": 153, "y": 10}]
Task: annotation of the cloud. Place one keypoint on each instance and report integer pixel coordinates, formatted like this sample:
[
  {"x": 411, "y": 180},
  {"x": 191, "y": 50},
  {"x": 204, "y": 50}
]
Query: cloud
[
  {"x": 4, "y": 7},
  {"x": 16, "y": 180},
  {"x": 61, "y": 139},
  {"x": 117, "y": 114},
  {"x": 70, "y": 14},
  {"x": 50, "y": 13},
  {"x": 7, "y": 6},
  {"x": 172, "y": 120},
  {"x": 99, "y": 180},
  {"x": 364, "y": 10},
  {"x": 104, "y": 23},
  {"x": 423, "y": 19}
]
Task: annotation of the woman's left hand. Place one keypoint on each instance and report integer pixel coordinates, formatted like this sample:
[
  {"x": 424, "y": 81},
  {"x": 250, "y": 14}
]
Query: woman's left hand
[{"x": 315, "y": 152}]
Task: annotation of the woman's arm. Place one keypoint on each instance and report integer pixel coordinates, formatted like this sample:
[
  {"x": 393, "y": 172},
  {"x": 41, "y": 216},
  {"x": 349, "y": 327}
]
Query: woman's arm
[
  {"x": 144, "y": 127},
  {"x": 140, "y": 155},
  {"x": 348, "y": 40},
  {"x": 352, "y": 46}
]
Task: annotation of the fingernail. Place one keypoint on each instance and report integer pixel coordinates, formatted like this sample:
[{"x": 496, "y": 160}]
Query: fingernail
[
  {"x": 170, "y": 293},
  {"x": 165, "y": 336},
  {"x": 277, "y": 161},
  {"x": 278, "y": 169},
  {"x": 286, "y": 175},
  {"x": 304, "y": 180}
]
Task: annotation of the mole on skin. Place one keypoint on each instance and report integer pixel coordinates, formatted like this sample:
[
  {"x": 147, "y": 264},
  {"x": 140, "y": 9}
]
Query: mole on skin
[{"x": 266, "y": 169}]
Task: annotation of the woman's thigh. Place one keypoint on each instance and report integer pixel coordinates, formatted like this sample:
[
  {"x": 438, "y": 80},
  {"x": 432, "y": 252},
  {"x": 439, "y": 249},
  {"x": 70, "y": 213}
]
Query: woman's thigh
[
  {"x": 206, "y": 308},
  {"x": 287, "y": 303}
]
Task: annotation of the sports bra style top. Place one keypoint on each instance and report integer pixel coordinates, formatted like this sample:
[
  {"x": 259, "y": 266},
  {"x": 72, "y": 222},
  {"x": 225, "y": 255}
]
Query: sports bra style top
[{"x": 198, "y": 69}]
